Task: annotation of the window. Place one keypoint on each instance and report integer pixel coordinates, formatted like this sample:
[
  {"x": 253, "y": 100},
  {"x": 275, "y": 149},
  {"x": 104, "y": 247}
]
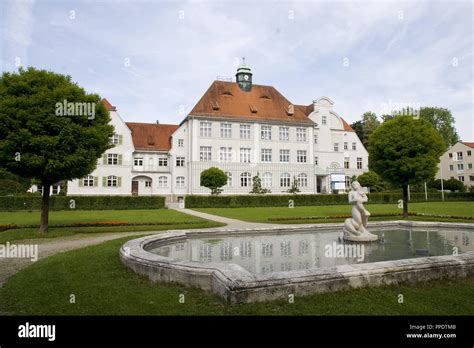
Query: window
[
  {"x": 303, "y": 247},
  {"x": 359, "y": 162},
  {"x": 88, "y": 181},
  {"x": 302, "y": 180},
  {"x": 112, "y": 158},
  {"x": 205, "y": 154},
  {"x": 115, "y": 139},
  {"x": 469, "y": 165},
  {"x": 285, "y": 248},
  {"x": 285, "y": 180},
  {"x": 345, "y": 145},
  {"x": 244, "y": 131},
  {"x": 205, "y": 129},
  {"x": 354, "y": 146},
  {"x": 284, "y": 133},
  {"x": 347, "y": 182},
  {"x": 226, "y": 251},
  {"x": 180, "y": 142},
  {"x": 267, "y": 250},
  {"x": 138, "y": 161},
  {"x": 284, "y": 156},
  {"x": 266, "y": 155},
  {"x": 245, "y": 155},
  {"x": 316, "y": 138},
  {"x": 162, "y": 161},
  {"x": 245, "y": 179},
  {"x": 301, "y": 156},
  {"x": 179, "y": 161},
  {"x": 267, "y": 180},
  {"x": 323, "y": 120},
  {"x": 225, "y": 154},
  {"x": 229, "y": 178},
  {"x": 55, "y": 189},
  {"x": 471, "y": 178},
  {"x": 451, "y": 167},
  {"x": 162, "y": 181},
  {"x": 461, "y": 178},
  {"x": 266, "y": 132},
  {"x": 469, "y": 153},
  {"x": 346, "y": 163},
  {"x": 226, "y": 130},
  {"x": 336, "y": 147},
  {"x": 112, "y": 181},
  {"x": 316, "y": 161},
  {"x": 450, "y": 155},
  {"x": 180, "y": 181},
  {"x": 460, "y": 167},
  {"x": 460, "y": 156},
  {"x": 148, "y": 183},
  {"x": 301, "y": 134}
]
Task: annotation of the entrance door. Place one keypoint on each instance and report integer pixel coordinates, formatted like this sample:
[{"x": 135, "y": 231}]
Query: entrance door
[{"x": 134, "y": 188}]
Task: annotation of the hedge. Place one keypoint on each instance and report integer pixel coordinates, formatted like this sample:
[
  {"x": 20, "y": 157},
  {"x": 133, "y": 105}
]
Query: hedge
[
  {"x": 238, "y": 201},
  {"x": 13, "y": 203}
]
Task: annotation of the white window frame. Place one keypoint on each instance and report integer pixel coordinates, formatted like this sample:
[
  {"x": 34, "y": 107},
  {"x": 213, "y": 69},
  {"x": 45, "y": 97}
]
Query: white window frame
[
  {"x": 245, "y": 155},
  {"x": 266, "y": 132},
  {"x": 226, "y": 130},
  {"x": 284, "y": 133},
  {"x": 266, "y": 156},
  {"x": 162, "y": 181},
  {"x": 285, "y": 180},
  {"x": 245, "y": 179},
  {"x": 225, "y": 154},
  {"x": 244, "y": 131},
  {"x": 205, "y": 153},
  {"x": 284, "y": 156},
  {"x": 301, "y": 156},
  {"x": 301, "y": 134},
  {"x": 180, "y": 181},
  {"x": 205, "y": 129}
]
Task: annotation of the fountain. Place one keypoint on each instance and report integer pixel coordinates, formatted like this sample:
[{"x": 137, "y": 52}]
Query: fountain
[{"x": 355, "y": 228}]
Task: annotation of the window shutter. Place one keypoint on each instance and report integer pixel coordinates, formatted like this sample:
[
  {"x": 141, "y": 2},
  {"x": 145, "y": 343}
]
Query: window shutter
[
  {"x": 81, "y": 182},
  {"x": 104, "y": 181},
  {"x": 119, "y": 181},
  {"x": 96, "y": 179},
  {"x": 120, "y": 139},
  {"x": 119, "y": 160},
  {"x": 104, "y": 158}
]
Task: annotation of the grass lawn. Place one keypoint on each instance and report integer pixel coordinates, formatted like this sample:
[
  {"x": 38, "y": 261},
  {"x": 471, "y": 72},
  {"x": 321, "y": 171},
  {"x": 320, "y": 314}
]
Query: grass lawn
[
  {"x": 171, "y": 219},
  {"x": 265, "y": 214},
  {"x": 103, "y": 286}
]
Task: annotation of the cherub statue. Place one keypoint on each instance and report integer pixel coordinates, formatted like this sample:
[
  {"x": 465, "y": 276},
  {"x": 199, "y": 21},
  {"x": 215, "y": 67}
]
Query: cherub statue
[{"x": 355, "y": 228}]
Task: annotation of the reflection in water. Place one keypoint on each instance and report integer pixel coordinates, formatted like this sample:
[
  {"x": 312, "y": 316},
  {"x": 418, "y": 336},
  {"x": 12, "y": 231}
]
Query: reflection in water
[{"x": 263, "y": 254}]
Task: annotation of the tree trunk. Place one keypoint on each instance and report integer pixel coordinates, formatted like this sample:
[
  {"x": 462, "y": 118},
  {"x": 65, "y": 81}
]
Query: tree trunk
[
  {"x": 44, "y": 209},
  {"x": 405, "y": 201}
]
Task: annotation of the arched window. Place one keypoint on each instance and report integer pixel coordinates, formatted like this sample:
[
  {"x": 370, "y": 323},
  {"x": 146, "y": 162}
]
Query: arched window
[
  {"x": 285, "y": 180},
  {"x": 267, "y": 180},
  {"x": 229, "y": 179},
  {"x": 162, "y": 181},
  {"x": 302, "y": 180},
  {"x": 245, "y": 179},
  {"x": 111, "y": 181},
  {"x": 180, "y": 181}
]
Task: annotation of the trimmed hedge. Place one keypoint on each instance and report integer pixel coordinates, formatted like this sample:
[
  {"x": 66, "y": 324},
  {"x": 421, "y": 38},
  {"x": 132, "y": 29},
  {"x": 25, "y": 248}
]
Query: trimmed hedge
[
  {"x": 240, "y": 201},
  {"x": 13, "y": 203}
]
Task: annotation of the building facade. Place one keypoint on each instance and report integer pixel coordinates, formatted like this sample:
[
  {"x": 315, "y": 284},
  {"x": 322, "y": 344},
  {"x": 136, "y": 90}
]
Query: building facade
[
  {"x": 457, "y": 162},
  {"x": 243, "y": 129}
]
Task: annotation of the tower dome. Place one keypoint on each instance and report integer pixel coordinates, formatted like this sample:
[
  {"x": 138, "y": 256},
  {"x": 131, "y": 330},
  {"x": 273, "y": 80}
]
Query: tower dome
[{"x": 244, "y": 76}]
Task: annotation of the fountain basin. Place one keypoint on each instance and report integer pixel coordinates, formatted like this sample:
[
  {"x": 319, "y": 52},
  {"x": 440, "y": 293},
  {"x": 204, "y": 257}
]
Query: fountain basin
[{"x": 240, "y": 265}]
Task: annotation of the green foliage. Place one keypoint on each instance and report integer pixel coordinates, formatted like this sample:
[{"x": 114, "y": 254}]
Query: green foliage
[
  {"x": 213, "y": 178},
  {"x": 405, "y": 151},
  {"x": 33, "y": 202},
  {"x": 451, "y": 184},
  {"x": 365, "y": 127},
  {"x": 294, "y": 189},
  {"x": 372, "y": 180},
  {"x": 239, "y": 201},
  {"x": 257, "y": 186},
  {"x": 12, "y": 184},
  {"x": 443, "y": 121}
]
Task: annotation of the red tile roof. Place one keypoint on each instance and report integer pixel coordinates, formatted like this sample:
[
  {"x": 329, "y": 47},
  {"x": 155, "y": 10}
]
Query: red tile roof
[
  {"x": 150, "y": 136},
  {"x": 226, "y": 100},
  {"x": 107, "y": 105},
  {"x": 468, "y": 144}
]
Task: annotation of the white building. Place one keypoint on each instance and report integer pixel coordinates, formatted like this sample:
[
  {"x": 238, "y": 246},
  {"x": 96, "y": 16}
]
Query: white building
[
  {"x": 457, "y": 162},
  {"x": 242, "y": 128}
]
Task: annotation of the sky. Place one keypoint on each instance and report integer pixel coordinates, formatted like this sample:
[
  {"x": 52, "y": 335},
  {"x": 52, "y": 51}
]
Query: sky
[{"x": 154, "y": 60}]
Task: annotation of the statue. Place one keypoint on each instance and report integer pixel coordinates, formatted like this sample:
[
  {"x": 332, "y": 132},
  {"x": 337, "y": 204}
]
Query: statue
[{"x": 355, "y": 228}]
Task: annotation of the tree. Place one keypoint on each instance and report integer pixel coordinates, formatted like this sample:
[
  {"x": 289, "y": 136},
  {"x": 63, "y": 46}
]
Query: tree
[
  {"x": 358, "y": 128},
  {"x": 451, "y": 184},
  {"x": 257, "y": 187},
  {"x": 443, "y": 121},
  {"x": 370, "y": 179},
  {"x": 50, "y": 129},
  {"x": 405, "y": 151},
  {"x": 365, "y": 127},
  {"x": 213, "y": 178},
  {"x": 12, "y": 184},
  {"x": 294, "y": 189}
]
